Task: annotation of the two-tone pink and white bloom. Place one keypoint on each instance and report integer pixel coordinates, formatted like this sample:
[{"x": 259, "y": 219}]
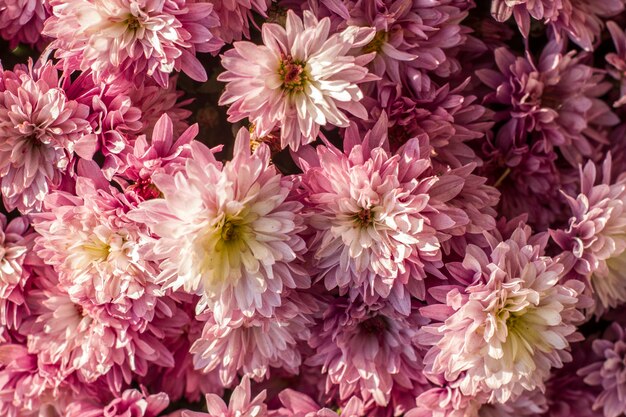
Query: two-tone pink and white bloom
[
  {"x": 132, "y": 39},
  {"x": 40, "y": 129},
  {"x": 228, "y": 232},
  {"x": 501, "y": 335},
  {"x": 594, "y": 239},
  {"x": 94, "y": 248},
  {"x": 251, "y": 346},
  {"x": 375, "y": 221},
  {"x": 16, "y": 242},
  {"x": 241, "y": 404},
  {"x": 302, "y": 78}
]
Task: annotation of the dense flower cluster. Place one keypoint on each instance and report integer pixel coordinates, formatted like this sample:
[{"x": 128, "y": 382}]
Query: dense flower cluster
[{"x": 312, "y": 208}]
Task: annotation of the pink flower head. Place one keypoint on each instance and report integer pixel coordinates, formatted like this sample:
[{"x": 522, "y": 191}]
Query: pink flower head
[
  {"x": 95, "y": 250},
  {"x": 523, "y": 10},
  {"x": 514, "y": 321},
  {"x": 297, "y": 404},
  {"x": 301, "y": 79},
  {"x": 607, "y": 370},
  {"x": 40, "y": 129},
  {"x": 132, "y": 40},
  {"x": 375, "y": 222},
  {"x": 445, "y": 402},
  {"x": 555, "y": 98},
  {"x": 235, "y": 17},
  {"x": 160, "y": 153},
  {"x": 410, "y": 36},
  {"x": 228, "y": 232},
  {"x": 252, "y": 346},
  {"x": 595, "y": 237},
  {"x": 21, "y": 21},
  {"x": 84, "y": 340},
  {"x": 617, "y": 60},
  {"x": 241, "y": 404},
  {"x": 131, "y": 403},
  {"x": 583, "y": 20},
  {"x": 16, "y": 241},
  {"x": 367, "y": 350},
  {"x": 25, "y": 387}
]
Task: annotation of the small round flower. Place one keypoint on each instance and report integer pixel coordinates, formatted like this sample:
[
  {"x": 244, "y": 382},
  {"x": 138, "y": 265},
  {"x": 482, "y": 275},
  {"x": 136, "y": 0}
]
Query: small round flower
[
  {"x": 132, "y": 40},
  {"x": 229, "y": 233},
  {"x": 157, "y": 153},
  {"x": 617, "y": 60},
  {"x": 95, "y": 250},
  {"x": 241, "y": 404},
  {"x": 503, "y": 333},
  {"x": 297, "y": 404},
  {"x": 523, "y": 10},
  {"x": 301, "y": 79},
  {"x": 583, "y": 20},
  {"x": 250, "y": 346},
  {"x": 16, "y": 241},
  {"x": 84, "y": 340},
  {"x": 235, "y": 17},
  {"x": 607, "y": 370},
  {"x": 555, "y": 99},
  {"x": 21, "y": 21},
  {"x": 367, "y": 350},
  {"x": 40, "y": 129},
  {"x": 410, "y": 36},
  {"x": 131, "y": 402},
  {"x": 594, "y": 239},
  {"x": 376, "y": 223}
]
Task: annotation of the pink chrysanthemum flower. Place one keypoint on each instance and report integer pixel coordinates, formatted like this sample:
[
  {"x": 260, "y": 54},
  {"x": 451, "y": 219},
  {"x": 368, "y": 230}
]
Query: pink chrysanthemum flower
[
  {"x": 445, "y": 401},
  {"x": 617, "y": 60},
  {"x": 566, "y": 393},
  {"x": 95, "y": 250},
  {"x": 25, "y": 386},
  {"x": 131, "y": 403},
  {"x": 21, "y": 21},
  {"x": 583, "y": 20},
  {"x": 607, "y": 371},
  {"x": 154, "y": 101},
  {"x": 503, "y": 333},
  {"x": 241, "y": 404},
  {"x": 377, "y": 225},
  {"x": 555, "y": 98},
  {"x": 132, "y": 39},
  {"x": 523, "y": 10},
  {"x": 235, "y": 17},
  {"x": 367, "y": 350},
  {"x": 230, "y": 233},
  {"x": 594, "y": 238},
  {"x": 252, "y": 346},
  {"x": 301, "y": 79},
  {"x": 410, "y": 36},
  {"x": 40, "y": 129},
  {"x": 16, "y": 241},
  {"x": 84, "y": 339},
  {"x": 297, "y": 404},
  {"x": 160, "y": 153}
]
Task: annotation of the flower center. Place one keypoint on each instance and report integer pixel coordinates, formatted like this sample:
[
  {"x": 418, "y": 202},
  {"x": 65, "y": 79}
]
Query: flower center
[
  {"x": 132, "y": 23},
  {"x": 146, "y": 189},
  {"x": 97, "y": 250},
  {"x": 229, "y": 231},
  {"x": 374, "y": 325},
  {"x": 364, "y": 218},
  {"x": 376, "y": 44},
  {"x": 292, "y": 74}
]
